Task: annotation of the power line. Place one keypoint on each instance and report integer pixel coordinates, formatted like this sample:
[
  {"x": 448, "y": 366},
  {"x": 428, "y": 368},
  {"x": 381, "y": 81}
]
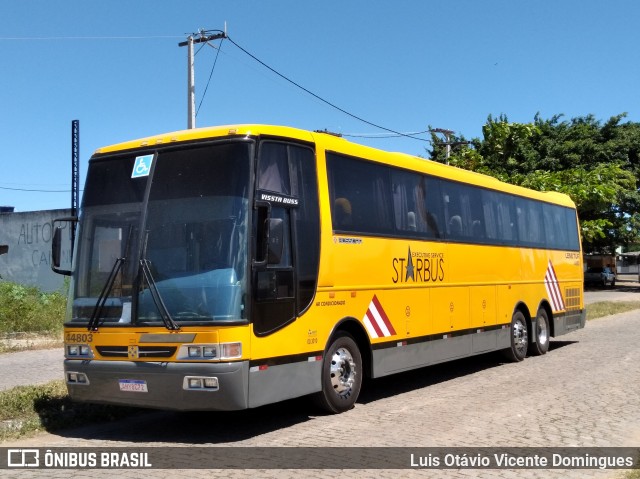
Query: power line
[
  {"x": 384, "y": 135},
  {"x": 210, "y": 74},
  {"x": 318, "y": 97},
  {"x": 34, "y": 190},
  {"x": 149, "y": 37}
]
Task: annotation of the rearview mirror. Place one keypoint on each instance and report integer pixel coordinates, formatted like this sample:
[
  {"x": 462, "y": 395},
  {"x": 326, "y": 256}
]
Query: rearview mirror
[
  {"x": 58, "y": 243},
  {"x": 275, "y": 240}
]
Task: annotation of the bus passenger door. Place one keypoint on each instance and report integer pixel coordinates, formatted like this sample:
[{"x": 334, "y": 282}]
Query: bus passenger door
[
  {"x": 274, "y": 297},
  {"x": 286, "y": 231}
]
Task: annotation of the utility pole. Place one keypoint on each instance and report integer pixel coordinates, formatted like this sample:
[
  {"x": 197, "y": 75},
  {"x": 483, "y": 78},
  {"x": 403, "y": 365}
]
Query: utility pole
[
  {"x": 75, "y": 174},
  {"x": 191, "y": 82},
  {"x": 447, "y": 135}
]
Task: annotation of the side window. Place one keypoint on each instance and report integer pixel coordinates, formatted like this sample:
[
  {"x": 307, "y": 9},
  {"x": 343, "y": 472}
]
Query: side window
[
  {"x": 560, "y": 227},
  {"x": 551, "y": 232},
  {"x": 507, "y": 229},
  {"x": 499, "y": 217},
  {"x": 416, "y": 204},
  {"x": 573, "y": 242},
  {"x": 530, "y": 223},
  {"x": 273, "y": 171},
  {"x": 464, "y": 217},
  {"x": 536, "y": 223},
  {"x": 306, "y": 222},
  {"x": 491, "y": 213},
  {"x": 361, "y": 196}
]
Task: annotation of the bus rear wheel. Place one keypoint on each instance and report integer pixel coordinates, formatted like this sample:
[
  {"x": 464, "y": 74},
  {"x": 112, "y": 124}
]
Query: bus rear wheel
[
  {"x": 519, "y": 338},
  {"x": 541, "y": 346},
  {"x": 341, "y": 375}
]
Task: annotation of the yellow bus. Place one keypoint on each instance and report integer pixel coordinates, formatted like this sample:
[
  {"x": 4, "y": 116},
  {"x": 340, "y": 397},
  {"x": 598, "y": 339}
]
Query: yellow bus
[{"x": 230, "y": 267}]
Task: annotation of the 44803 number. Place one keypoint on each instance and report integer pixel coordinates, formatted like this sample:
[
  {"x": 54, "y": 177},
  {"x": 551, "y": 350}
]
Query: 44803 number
[{"x": 78, "y": 337}]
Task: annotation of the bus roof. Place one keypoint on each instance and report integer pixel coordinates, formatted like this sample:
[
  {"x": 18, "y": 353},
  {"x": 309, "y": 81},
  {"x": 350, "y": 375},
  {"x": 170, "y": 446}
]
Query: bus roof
[
  {"x": 337, "y": 144},
  {"x": 210, "y": 132}
]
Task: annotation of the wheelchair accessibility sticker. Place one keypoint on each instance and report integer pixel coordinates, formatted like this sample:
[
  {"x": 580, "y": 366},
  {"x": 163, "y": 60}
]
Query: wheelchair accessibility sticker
[{"x": 142, "y": 166}]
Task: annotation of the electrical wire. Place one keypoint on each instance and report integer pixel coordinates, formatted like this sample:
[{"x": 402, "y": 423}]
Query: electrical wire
[
  {"x": 34, "y": 190},
  {"x": 210, "y": 74},
  {"x": 150, "y": 37},
  {"x": 198, "y": 50},
  {"x": 384, "y": 135},
  {"x": 332, "y": 105}
]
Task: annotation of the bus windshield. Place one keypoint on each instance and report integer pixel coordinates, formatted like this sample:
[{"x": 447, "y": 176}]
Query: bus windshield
[{"x": 180, "y": 230}]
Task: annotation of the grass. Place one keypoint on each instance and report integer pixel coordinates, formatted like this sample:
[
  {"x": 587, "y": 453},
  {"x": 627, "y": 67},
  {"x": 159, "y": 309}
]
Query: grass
[
  {"x": 12, "y": 343},
  {"x": 27, "y": 410},
  {"x": 29, "y": 318},
  {"x": 607, "y": 308},
  {"x": 29, "y": 310}
]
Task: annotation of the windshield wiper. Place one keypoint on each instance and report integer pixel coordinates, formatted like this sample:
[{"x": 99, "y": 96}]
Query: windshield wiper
[
  {"x": 104, "y": 295},
  {"x": 108, "y": 286},
  {"x": 168, "y": 321}
]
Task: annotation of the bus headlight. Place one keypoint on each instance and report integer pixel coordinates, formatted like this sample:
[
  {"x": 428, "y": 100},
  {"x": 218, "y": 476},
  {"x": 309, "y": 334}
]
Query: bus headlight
[
  {"x": 78, "y": 351},
  {"x": 210, "y": 352}
]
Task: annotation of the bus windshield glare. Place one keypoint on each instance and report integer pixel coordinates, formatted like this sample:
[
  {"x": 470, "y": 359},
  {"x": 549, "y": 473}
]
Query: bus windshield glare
[{"x": 180, "y": 229}]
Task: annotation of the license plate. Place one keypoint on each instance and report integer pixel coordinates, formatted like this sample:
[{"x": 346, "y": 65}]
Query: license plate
[{"x": 133, "y": 385}]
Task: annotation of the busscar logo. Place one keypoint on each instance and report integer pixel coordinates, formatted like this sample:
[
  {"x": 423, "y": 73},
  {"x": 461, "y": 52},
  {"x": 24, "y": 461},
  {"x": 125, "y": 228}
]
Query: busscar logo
[
  {"x": 23, "y": 458},
  {"x": 418, "y": 267}
]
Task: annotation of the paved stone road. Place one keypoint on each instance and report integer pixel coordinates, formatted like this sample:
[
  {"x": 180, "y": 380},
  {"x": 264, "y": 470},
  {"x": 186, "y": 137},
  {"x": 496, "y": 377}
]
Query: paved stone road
[
  {"x": 584, "y": 392},
  {"x": 627, "y": 288},
  {"x": 30, "y": 367}
]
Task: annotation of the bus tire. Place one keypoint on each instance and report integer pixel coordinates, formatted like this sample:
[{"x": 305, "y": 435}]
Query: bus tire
[
  {"x": 519, "y": 338},
  {"x": 543, "y": 332},
  {"x": 341, "y": 375}
]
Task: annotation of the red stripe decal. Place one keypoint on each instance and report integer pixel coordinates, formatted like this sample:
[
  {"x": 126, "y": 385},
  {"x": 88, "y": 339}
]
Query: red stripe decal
[
  {"x": 383, "y": 315},
  {"x": 374, "y": 324}
]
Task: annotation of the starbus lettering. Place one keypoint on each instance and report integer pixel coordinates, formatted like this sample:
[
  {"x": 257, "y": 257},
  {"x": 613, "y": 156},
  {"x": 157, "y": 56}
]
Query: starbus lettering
[{"x": 419, "y": 267}]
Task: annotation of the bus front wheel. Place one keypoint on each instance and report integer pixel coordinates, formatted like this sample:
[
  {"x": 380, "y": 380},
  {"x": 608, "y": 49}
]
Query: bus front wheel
[
  {"x": 341, "y": 375},
  {"x": 519, "y": 338}
]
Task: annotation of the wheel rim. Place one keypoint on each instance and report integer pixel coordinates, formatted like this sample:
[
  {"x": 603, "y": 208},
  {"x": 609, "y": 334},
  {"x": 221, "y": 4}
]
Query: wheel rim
[
  {"x": 343, "y": 371},
  {"x": 543, "y": 330},
  {"x": 520, "y": 337}
]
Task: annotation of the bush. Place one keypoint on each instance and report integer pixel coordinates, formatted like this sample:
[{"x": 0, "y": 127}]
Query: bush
[{"x": 27, "y": 309}]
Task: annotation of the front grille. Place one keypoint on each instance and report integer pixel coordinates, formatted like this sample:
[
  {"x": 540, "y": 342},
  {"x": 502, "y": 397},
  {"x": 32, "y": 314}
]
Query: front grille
[{"x": 143, "y": 351}]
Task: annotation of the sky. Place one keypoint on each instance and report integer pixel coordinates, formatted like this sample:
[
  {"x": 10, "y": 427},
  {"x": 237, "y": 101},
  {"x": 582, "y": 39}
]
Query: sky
[{"x": 405, "y": 65}]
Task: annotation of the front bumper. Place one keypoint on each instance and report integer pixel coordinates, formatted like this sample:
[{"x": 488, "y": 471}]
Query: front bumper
[{"x": 164, "y": 383}]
